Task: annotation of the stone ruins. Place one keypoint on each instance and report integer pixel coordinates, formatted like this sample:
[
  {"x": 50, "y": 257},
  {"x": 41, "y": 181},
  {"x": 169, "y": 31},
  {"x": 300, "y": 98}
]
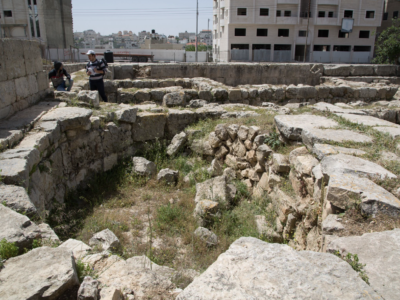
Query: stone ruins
[{"x": 53, "y": 143}]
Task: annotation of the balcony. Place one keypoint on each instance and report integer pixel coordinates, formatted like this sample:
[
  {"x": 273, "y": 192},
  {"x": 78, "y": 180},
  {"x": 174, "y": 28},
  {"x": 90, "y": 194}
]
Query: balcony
[
  {"x": 288, "y": 2},
  {"x": 222, "y": 22},
  {"x": 327, "y": 21},
  {"x": 328, "y": 2}
]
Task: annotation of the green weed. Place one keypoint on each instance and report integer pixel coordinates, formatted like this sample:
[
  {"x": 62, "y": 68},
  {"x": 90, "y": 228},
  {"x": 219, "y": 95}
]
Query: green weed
[
  {"x": 168, "y": 218},
  {"x": 84, "y": 270},
  {"x": 353, "y": 261},
  {"x": 273, "y": 140},
  {"x": 8, "y": 250}
]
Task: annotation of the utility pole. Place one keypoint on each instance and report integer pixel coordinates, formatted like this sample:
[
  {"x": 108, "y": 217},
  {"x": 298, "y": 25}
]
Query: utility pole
[
  {"x": 208, "y": 27},
  {"x": 308, "y": 25},
  {"x": 197, "y": 29}
]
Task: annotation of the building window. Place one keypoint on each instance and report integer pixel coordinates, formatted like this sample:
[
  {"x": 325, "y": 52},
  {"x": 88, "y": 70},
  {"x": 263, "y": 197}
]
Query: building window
[
  {"x": 321, "y": 14},
  {"x": 323, "y": 48},
  {"x": 370, "y": 14},
  {"x": 342, "y": 48},
  {"x": 8, "y": 14},
  {"x": 240, "y": 46},
  {"x": 330, "y": 14},
  {"x": 261, "y": 46},
  {"x": 362, "y": 48},
  {"x": 278, "y": 13},
  {"x": 242, "y": 11},
  {"x": 385, "y": 16},
  {"x": 288, "y": 13},
  {"x": 240, "y": 31},
  {"x": 264, "y": 11},
  {"x": 262, "y": 32},
  {"x": 348, "y": 14},
  {"x": 395, "y": 14},
  {"x": 282, "y": 47},
  {"x": 283, "y": 32},
  {"x": 364, "y": 34},
  {"x": 343, "y": 35},
  {"x": 302, "y": 33},
  {"x": 323, "y": 33}
]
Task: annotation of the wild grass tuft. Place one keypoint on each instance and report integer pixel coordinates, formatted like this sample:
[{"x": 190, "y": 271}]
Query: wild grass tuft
[{"x": 7, "y": 249}]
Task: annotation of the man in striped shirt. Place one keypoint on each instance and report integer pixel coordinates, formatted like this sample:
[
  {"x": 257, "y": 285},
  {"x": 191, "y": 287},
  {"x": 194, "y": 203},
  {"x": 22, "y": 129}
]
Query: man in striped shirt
[{"x": 96, "y": 70}]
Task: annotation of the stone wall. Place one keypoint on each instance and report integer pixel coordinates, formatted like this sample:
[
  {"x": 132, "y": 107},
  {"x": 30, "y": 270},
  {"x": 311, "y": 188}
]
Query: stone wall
[{"x": 22, "y": 79}]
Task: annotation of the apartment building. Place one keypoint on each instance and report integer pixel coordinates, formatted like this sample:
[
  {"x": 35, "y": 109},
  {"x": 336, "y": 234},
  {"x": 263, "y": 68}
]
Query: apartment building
[
  {"x": 390, "y": 11},
  {"x": 339, "y": 31},
  {"x": 49, "y": 21}
]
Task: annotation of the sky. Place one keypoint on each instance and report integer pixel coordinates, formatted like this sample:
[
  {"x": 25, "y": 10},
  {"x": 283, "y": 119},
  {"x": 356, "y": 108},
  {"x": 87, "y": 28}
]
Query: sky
[{"x": 167, "y": 17}]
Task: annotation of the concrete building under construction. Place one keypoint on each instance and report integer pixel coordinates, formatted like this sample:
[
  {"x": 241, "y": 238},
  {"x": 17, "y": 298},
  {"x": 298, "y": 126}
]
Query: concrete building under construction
[{"x": 48, "y": 21}]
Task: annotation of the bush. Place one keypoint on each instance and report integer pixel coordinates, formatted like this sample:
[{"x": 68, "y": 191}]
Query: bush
[
  {"x": 169, "y": 217},
  {"x": 273, "y": 140},
  {"x": 8, "y": 250},
  {"x": 84, "y": 270}
]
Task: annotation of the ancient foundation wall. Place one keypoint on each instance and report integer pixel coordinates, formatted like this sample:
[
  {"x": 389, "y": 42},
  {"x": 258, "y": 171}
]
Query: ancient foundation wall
[{"x": 22, "y": 79}]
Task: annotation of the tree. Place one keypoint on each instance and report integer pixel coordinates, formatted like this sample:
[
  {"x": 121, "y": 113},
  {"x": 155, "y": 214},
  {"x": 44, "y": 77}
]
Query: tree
[
  {"x": 388, "y": 45},
  {"x": 199, "y": 48}
]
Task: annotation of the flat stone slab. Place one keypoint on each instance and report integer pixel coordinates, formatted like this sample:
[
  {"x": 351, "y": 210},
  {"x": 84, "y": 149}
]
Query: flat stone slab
[
  {"x": 78, "y": 248},
  {"x": 69, "y": 117},
  {"x": 313, "y": 136},
  {"x": 42, "y": 273},
  {"x": 29, "y": 116},
  {"x": 16, "y": 198},
  {"x": 347, "y": 164},
  {"x": 253, "y": 269},
  {"x": 15, "y": 171},
  {"x": 367, "y": 120},
  {"x": 345, "y": 189},
  {"x": 380, "y": 252},
  {"x": 393, "y": 131},
  {"x": 322, "y": 150},
  {"x": 291, "y": 127},
  {"x": 323, "y": 106}
]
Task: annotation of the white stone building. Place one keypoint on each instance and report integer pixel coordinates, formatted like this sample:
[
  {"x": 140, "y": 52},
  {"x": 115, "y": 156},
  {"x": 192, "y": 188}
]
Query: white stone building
[{"x": 276, "y": 30}]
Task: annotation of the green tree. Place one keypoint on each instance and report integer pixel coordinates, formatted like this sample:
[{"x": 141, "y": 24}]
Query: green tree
[
  {"x": 388, "y": 45},
  {"x": 200, "y": 48}
]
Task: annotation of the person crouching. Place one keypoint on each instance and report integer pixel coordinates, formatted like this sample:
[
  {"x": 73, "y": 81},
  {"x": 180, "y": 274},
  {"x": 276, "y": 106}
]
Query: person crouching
[{"x": 56, "y": 76}]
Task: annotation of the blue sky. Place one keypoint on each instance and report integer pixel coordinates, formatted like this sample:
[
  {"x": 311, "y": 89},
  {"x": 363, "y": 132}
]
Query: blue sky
[{"x": 165, "y": 16}]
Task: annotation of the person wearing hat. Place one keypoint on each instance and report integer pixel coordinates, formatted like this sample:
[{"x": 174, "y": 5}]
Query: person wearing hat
[
  {"x": 57, "y": 78},
  {"x": 96, "y": 69}
]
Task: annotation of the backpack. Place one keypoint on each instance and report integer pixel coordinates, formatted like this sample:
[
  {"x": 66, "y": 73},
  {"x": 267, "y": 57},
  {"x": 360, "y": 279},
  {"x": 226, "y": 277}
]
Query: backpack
[{"x": 104, "y": 61}]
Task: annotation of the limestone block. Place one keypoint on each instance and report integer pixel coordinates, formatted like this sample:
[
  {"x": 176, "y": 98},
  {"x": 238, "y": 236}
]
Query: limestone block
[
  {"x": 305, "y": 164},
  {"x": 322, "y": 150},
  {"x": 235, "y": 95},
  {"x": 69, "y": 117},
  {"x": 386, "y": 70},
  {"x": 233, "y": 131},
  {"x": 214, "y": 189},
  {"x": 142, "y": 96},
  {"x": 6, "y": 112},
  {"x": 78, "y": 248},
  {"x": 157, "y": 95},
  {"x": 39, "y": 140},
  {"x": 280, "y": 163},
  {"x": 15, "y": 171},
  {"x": 88, "y": 289},
  {"x": 16, "y": 198},
  {"x": 325, "y": 274},
  {"x": 197, "y": 103},
  {"x": 210, "y": 112},
  {"x": 291, "y": 126},
  {"x": 214, "y": 141},
  {"x": 33, "y": 84},
  {"x": 367, "y": 93},
  {"x": 178, "y": 120},
  {"x": 8, "y": 93},
  {"x": 283, "y": 204},
  {"x": 221, "y": 152},
  {"x": 265, "y": 94},
  {"x": 346, "y": 189},
  {"x": 177, "y": 143},
  {"x": 206, "y": 235},
  {"x": 347, "y": 164},
  {"x": 378, "y": 251},
  {"x": 42, "y": 80},
  {"x": 90, "y": 97},
  {"x": 144, "y": 167},
  {"x": 174, "y": 99},
  {"x": 168, "y": 176},
  {"x": 220, "y": 95},
  {"x": 221, "y": 132},
  {"x": 22, "y": 88},
  {"x": 106, "y": 239},
  {"x": 3, "y": 74},
  {"x": 126, "y": 114},
  {"x": 149, "y": 126},
  {"x": 206, "y": 209},
  {"x": 263, "y": 152},
  {"x": 332, "y": 225},
  {"x": 13, "y": 52},
  {"x": 110, "y": 162},
  {"x": 206, "y": 95},
  {"x": 111, "y": 86},
  {"x": 337, "y": 70},
  {"x": 323, "y": 91},
  {"x": 54, "y": 270},
  {"x": 216, "y": 168},
  {"x": 317, "y": 136},
  {"x": 202, "y": 147},
  {"x": 243, "y": 132},
  {"x": 32, "y": 57}
]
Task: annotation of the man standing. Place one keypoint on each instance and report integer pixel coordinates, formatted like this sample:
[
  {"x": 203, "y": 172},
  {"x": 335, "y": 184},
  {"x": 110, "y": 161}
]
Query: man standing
[
  {"x": 96, "y": 70},
  {"x": 57, "y": 78}
]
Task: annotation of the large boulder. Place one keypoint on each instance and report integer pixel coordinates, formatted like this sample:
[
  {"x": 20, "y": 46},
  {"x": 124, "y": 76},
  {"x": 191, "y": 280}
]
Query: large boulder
[
  {"x": 42, "y": 273},
  {"x": 90, "y": 97},
  {"x": 206, "y": 235},
  {"x": 126, "y": 114},
  {"x": 78, "y": 248},
  {"x": 88, "y": 289},
  {"x": 379, "y": 252},
  {"x": 313, "y": 136},
  {"x": 253, "y": 269},
  {"x": 143, "y": 167},
  {"x": 106, "y": 240},
  {"x": 69, "y": 117}
]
